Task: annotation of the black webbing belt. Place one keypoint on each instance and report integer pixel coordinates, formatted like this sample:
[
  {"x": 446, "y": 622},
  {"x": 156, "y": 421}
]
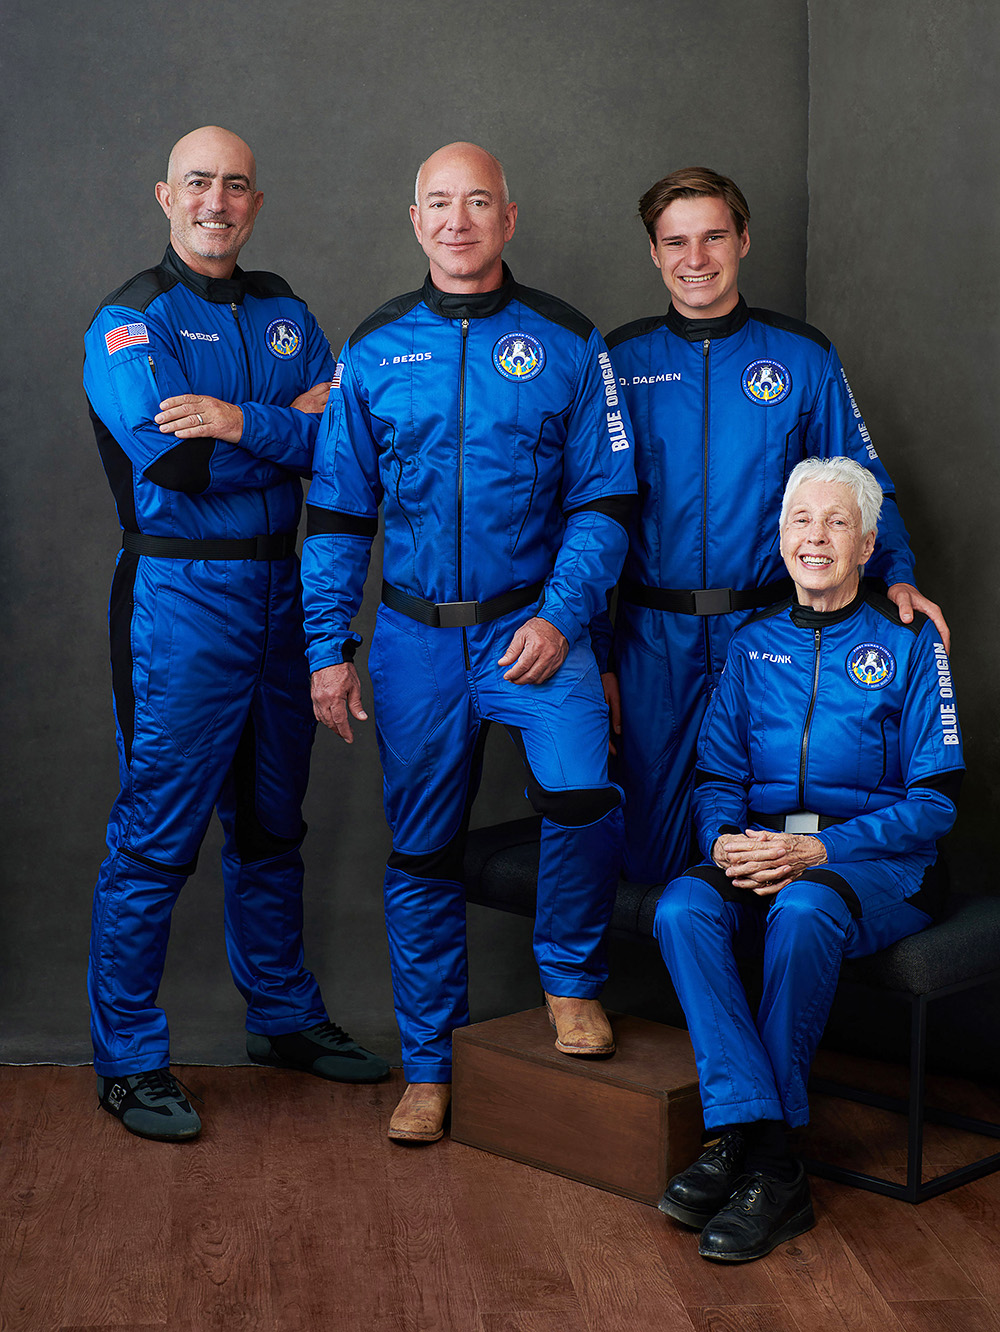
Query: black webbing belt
[
  {"x": 776, "y": 822},
  {"x": 276, "y": 546},
  {"x": 458, "y": 614},
  {"x": 703, "y": 600}
]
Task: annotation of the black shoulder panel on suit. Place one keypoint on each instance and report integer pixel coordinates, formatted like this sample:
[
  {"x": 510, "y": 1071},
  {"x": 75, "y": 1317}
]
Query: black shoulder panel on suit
[
  {"x": 551, "y": 307},
  {"x": 636, "y": 329},
  {"x": 385, "y": 314},
  {"x": 263, "y": 284},
  {"x": 888, "y": 608},
  {"x": 789, "y": 325},
  {"x": 139, "y": 292},
  {"x": 768, "y": 611}
]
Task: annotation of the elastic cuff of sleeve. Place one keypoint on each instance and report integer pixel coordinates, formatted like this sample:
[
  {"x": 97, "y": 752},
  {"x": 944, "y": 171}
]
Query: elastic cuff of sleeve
[
  {"x": 247, "y": 439},
  {"x": 568, "y": 627},
  {"x": 901, "y": 576},
  {"x": 825, "y": 839},
  {"x": 329, "y": 655}
]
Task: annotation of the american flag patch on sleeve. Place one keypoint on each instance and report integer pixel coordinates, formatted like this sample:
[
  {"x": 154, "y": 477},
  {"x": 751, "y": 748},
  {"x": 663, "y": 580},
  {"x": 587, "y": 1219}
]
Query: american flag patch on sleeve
[
  {"x": 125, "y": 335},
  {"x": 338, "y": 375}
]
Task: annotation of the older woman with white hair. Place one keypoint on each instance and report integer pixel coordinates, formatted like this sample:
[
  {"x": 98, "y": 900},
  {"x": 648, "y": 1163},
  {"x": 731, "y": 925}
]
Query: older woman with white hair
[{"x": 828, "y": 767}]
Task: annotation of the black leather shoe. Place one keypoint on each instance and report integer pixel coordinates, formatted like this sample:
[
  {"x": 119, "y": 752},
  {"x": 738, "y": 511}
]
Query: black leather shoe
[
  {"x": 325, "y": 1050},
  {"x": 696, "y": 1194},
  {"x": 762, "y": 1213}
]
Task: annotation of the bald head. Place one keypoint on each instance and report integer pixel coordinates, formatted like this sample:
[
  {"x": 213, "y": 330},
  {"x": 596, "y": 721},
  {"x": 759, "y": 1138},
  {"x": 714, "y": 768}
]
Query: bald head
[
  {"x": 469, "y": 152},
  {"x": 211, "y": 198},
  {"x": 209, "y": 140}
]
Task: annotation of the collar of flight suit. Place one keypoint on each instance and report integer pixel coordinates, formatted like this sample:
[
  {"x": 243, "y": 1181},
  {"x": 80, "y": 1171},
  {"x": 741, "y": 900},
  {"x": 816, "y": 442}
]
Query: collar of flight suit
[
  {"x": 697, "y": 330},
  {"x": 221, "y": 291},
  {"x": 804, "y": 617},
  {"x": 472, "y": 304}
]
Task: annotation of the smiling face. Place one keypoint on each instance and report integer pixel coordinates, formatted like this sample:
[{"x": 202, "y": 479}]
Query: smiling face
[
  {"x": 698, "y": 249},
  {"x": 211, "y": 199},
  {"x": 462, "y": 218},
  {"x": 823, "y": 544}
]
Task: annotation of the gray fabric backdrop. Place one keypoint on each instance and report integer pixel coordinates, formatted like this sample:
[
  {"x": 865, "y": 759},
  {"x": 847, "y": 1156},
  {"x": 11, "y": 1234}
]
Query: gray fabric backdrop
[{"x": 865, "y": 139}]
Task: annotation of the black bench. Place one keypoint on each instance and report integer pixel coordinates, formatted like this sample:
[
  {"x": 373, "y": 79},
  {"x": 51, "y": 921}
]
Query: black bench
[{"x": 958, "y": 954}]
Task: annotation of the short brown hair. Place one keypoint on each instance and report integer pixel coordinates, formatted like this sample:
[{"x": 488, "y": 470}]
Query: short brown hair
[{"x": 692, "y": 183}]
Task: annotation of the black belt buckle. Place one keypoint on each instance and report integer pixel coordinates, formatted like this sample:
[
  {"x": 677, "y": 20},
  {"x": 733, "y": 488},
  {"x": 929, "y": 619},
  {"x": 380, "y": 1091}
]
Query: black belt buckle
[
  {"x": 713, "y": 600},
  {"x": 271, "y": 546},
  {"x": 457, "y": 614}
]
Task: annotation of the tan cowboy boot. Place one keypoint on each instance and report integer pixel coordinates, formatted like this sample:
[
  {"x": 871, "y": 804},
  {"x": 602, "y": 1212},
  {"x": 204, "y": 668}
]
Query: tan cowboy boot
[
  {"x": 419, "y": 1117},
  {"x": 581, "y": 1025}
]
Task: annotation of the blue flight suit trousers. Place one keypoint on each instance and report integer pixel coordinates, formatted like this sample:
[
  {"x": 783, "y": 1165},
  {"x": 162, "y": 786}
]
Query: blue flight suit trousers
[
  {"x": 212, "y": 710},
  {"x": 751, "y": 1069},
  {"x": 435, "y": 691}
]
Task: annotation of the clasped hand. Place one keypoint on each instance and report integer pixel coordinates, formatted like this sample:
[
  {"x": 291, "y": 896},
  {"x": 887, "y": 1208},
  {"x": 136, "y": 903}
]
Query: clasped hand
[{"x": 764, "y": 862}]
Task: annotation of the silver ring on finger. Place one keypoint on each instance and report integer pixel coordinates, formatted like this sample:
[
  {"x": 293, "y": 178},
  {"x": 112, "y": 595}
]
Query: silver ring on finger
[{"x": 201, "y": 419}]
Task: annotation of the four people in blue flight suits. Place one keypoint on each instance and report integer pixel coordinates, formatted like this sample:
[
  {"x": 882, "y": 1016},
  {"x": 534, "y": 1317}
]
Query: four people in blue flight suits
[{"x": 491, "y": 424}]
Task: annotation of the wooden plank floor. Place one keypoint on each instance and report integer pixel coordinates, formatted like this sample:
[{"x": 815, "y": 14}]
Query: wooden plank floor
[{"x": 294, "y": 1212}]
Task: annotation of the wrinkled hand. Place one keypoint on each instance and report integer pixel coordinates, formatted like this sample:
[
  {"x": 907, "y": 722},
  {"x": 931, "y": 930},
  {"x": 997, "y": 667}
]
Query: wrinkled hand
[
  {"x": 765, "y": 862},
  {"x": 537, "y": 651},
  {"x": 194, "y": 416},
  {"x": 314, "y": 399},
  {"x": 613, "y": 698},
  {"x": 336, "y": 690},
  {"x": 907, "y": 600}
]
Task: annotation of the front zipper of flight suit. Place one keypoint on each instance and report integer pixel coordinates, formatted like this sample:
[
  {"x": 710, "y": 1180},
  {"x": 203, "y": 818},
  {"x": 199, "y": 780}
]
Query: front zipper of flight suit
[
  {"x": 263, "y": 495},
  {"x": 705, "y": 348},
  {"x": 804, "y": 747},
  {"x": 461, "y": 476}
]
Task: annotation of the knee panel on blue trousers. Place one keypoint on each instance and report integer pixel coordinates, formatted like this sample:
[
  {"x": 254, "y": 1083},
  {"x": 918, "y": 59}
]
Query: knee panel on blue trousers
[
  {"x": 254, "y": 842},
  {"x": 570, "y": 809},
  {"x": 574, "y": 809},
  {"x": 443, "y": 864}
]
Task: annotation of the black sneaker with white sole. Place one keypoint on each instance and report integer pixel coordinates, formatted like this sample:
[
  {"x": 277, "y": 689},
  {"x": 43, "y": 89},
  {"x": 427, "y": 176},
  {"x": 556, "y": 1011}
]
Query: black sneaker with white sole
[
  {"x": 325, "y": 1050},
  {"x": 151, "y": 1105}
]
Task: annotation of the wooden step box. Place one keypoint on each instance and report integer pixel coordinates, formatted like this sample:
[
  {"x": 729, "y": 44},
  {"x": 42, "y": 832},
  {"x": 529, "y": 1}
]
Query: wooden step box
[{"x": 626, "y": 1123}]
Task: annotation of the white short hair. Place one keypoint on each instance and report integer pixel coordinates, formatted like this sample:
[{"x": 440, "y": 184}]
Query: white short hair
[{"x": 846, "y": 472}]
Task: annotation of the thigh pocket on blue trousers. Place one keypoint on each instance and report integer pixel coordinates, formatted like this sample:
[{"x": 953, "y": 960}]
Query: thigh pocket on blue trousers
[
  {"x": 409, "y": 703},
  {"x": 191, "y": 667}
]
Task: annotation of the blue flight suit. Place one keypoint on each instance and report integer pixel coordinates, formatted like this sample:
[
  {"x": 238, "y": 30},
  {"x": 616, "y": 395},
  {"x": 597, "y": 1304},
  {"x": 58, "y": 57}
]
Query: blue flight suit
[
  {"x": 722, "y": 410},
  {"x": 211, "y": 690},
  {"x": 849, "y": 715},
  {"x": 490, "y": 430}
]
